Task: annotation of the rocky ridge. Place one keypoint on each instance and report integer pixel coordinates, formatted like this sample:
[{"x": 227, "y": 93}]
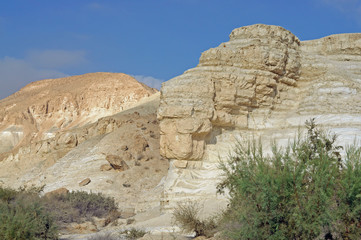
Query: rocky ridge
[
  {"x": 263, "y": 82},
  {"x": 42, "y": 109},
  {"x": 108, "y": 141}
]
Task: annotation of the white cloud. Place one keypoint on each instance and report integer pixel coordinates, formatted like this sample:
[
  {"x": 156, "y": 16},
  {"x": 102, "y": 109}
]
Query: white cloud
[
  {"x": 342, "y": 5},
  {"x": 1, "y": 26},
  {"x": 82, "y": 37},
  {"x": 16, "y": 73},
  {"x": 55, "y": 58},
  {"x": 149, "y": 81},
  {"x": 99, "y": 7},
  {"x": 96, "y": 6},
  {"x": 350, "y": 8}
]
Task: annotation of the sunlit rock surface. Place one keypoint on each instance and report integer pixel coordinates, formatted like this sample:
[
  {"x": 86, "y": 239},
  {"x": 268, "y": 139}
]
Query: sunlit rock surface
[{"x": 264, "y": 82}]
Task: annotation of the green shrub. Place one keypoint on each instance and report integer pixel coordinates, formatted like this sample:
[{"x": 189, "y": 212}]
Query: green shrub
[
  {"x": 133, "y": 233},
  {"x": 305, "y": 191},
  {"x": 349, "y": 196},
  {"x": 7, "y": 194},
  {"x": 186, "y": 215},
  {"x": 24, "y": 215},
  {"x": 26, "y": 221},
  {"x": 91, "y": 204},
  {"x": 77, "y": 206}
]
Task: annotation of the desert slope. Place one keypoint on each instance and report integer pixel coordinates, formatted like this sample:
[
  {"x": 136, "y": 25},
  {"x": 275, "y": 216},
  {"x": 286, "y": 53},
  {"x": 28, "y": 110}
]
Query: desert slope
[
  {"x": 100, "y": 126},
  {"x": 41, "y": 109}
]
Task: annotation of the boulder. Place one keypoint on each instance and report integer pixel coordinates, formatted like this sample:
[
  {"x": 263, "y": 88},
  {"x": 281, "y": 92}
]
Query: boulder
[
  {"x": 84, "y": 182},
  {"x": 106, "y": 167},
  {"x": 57, "y": 192},
  {"x": 117, "y": 163},
  {"x": 82, "y": 228}
]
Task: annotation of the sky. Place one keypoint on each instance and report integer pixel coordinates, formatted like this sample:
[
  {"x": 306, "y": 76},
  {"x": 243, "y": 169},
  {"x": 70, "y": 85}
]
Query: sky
[{"x": 153, "y": 40}]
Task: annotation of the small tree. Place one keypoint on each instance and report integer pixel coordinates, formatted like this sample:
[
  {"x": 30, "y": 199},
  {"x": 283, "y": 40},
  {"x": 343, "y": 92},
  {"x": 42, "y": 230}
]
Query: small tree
[{"x": 304, "y": 191}]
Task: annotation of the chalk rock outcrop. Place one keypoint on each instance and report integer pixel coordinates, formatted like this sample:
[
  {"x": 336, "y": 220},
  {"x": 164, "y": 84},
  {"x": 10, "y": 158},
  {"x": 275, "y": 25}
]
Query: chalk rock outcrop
[
  {"x": 253, "y": 72},
  {"x": 129, "y": 140},
  {"x": 263, "y": 82},
  {"x": 44, "y": 108},
  {"x": 62, "y": 131}
]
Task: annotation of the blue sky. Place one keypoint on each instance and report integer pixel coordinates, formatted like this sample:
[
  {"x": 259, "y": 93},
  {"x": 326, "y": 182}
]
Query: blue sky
[{"x": 155, "y": 40}]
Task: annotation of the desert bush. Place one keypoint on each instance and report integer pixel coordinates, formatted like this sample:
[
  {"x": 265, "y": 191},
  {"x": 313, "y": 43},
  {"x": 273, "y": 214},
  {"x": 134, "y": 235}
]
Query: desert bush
[
  {"x": 112, "y": 216},
  {"x": 186, "y": 215},
  {"x": 80, "y": 206},
  {"x": 304, "y": 191},
  {"x": 62, "y": 211},
  {"x": 25, "y": 220},
  {"x": 24, "y": 213},
  {"x": 7, "y": 194},
  {"x": 348, "y": 196},
  {"x": 91, "y": 204},
  {"x": 133, "y": 233}
]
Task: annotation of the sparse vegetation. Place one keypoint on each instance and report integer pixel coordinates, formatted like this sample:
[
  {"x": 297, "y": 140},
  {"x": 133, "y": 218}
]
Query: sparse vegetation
[
  {"x": 22, "y": 217},
  {"x": 6, "y": 194},
  {"x": 186, "y": 215},
  {"x": 133, "y": 233},
  {"x": 77, "y": 206},
  {"x": 303, "y": 191},
  {"x": 25, "y": 215}
]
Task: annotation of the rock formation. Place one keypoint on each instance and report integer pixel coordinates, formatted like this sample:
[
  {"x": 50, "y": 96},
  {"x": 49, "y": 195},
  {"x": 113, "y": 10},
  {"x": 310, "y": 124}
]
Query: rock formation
[
  {"x": 44, "y": 108},
  {"x": 104, "y": 131},
  {"x": 263, "y": 82}
]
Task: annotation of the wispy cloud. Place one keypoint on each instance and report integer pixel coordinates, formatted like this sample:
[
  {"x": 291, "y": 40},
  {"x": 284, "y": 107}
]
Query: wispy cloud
[
  {"x": 343, "y": 5},
  {"x": 1, "y": 25},
  {"x": 15, "y": 73},
  {"x": 350, "y": 8},
  {"x": 149, "y": 81},
  {"x": 96, "y": 6},
  {"x": 55, "y": 58},
  {"x": 105, "y": 8},
  {"x": 82, "y": 37}
]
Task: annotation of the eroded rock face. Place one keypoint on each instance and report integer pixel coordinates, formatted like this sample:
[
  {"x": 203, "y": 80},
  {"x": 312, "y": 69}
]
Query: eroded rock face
[
  {"x": 252, "y": 72},
  {"x": 129, "y": 140},
  {"x": 44, "y": 109},
  {"x": 263, "y": 82}
]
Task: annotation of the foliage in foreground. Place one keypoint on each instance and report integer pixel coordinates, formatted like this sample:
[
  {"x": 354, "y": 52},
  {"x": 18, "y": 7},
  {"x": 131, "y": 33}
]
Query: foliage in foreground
[
  {"x": 186, "y": 215},
  {"x": 79, "y": 206},
  {"x": 23, "y": 220},
  {"x": 305, "y": 191},
  {"x": 133, "y": 233},
  {"x": 25, "y": 215}
]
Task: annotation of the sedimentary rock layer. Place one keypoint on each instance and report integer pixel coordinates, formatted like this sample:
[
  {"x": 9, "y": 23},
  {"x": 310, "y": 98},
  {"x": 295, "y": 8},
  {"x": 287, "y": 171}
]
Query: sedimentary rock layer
[
  {"x": 44, "y": 108},
  {"x": 263, "y": 82}
]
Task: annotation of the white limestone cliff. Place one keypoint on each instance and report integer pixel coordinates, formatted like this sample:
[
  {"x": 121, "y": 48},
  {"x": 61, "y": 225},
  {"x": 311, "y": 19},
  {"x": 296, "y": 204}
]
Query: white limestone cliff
[{"x": 265, "y": 83}]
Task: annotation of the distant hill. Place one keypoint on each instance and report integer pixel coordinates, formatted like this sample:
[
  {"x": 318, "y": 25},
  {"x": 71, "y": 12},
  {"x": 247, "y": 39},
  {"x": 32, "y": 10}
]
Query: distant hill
[{"x": 43, "y": 108}]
